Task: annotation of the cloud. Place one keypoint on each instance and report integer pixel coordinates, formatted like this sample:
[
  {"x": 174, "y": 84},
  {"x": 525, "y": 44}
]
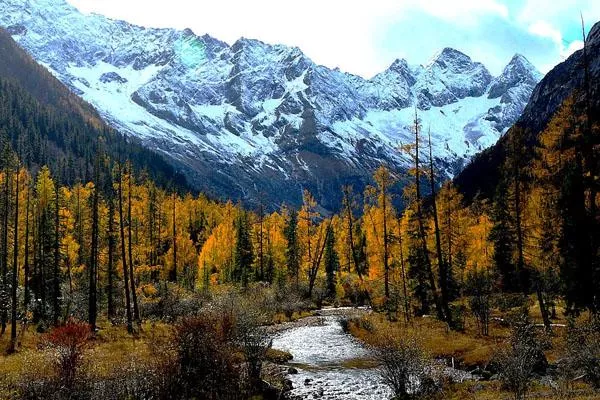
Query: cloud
[
  {"x": 364, "y": 37},
  {"x": 461, "y": 11},
  {"x": 544, "y": 29}
]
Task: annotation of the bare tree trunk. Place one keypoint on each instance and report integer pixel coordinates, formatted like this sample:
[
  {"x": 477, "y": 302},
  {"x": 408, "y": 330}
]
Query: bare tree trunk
[
  {"x": 136, "y": 311},
  {"x": 386, "y": 266},
  {"x": 442, "y": 269},
  {"x": 15, "y": 270},
  {"x": 123, "y": 253},
  {"x": 27, "y": 295},
  {"x": 93, "y": 270},
  {"x": 403, "y": 271},
  {"x": 56, "y": 277},
  {"x": 173, "y": 274},
  {"x": 111, "y": 249},
  {"x": 347, "y": 201},
  {"x": 438, "y": 306},
  {"x": 314, "y": 267},
  {"x": 4, "y": 256},
  {"x": 260, "y": 243}
]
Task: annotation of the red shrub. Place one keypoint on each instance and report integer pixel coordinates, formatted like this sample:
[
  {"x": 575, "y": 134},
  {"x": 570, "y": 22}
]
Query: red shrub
[{"x": 69, "y": 342}]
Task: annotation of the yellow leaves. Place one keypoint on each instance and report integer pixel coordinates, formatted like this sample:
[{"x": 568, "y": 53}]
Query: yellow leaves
[
  {"x": 149, "y": 291},
  {"x": 479, "y": 250},
  {"x": 44, "y": 188},
  {"x": 217, "y": 252}
]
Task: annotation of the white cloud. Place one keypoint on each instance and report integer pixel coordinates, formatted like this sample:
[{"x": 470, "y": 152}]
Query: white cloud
[
  {"x": 335, "y": 33},
  {"x": 544, "y": 29},
  {"x": 461, "y": 11},
  {"x": 571, "y": 48}
]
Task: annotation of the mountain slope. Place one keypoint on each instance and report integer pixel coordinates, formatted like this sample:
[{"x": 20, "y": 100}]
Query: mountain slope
[
  {"x": 48, "y": 125},
  {"x": 256, "y": 120},
  {"x": 481, "y": 176}
]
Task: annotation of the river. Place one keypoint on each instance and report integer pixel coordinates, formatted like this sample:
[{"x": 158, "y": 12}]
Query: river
[{"x": 331, "y": 364}]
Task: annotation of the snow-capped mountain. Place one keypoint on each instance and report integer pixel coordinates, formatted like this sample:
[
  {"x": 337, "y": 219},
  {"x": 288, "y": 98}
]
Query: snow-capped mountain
[{"x": 251, "y": 119}]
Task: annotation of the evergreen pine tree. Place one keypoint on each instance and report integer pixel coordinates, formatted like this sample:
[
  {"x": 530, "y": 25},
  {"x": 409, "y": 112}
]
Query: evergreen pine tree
[
  {"x": 332, "y": 263},
  {"x": 243, "y": 254},
  {"x": 293, "y": 249}
]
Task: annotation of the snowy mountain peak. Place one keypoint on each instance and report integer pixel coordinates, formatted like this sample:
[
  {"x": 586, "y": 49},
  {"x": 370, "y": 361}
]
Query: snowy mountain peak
[
  {"x": 256, "y": 118},
  {"x": 449, "y": 58},
  {"x": 450, "y": 76},
  {"x": 400, "y": 64},
  {"x": 519, "y": 72},
  {"x": 519, "y": 64}
]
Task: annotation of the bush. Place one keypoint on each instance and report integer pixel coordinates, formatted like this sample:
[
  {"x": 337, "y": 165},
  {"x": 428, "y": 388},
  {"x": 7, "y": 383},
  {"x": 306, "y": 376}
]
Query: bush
[
  {"x": 137, "y": 379},
  {"x": 255, "y": 342},
  {"x": 582, "y": 356},
  {"x": 206, "y": 364},
  {"x": 508, "y": 301},
  {"x": 521, "y": 358},
  {"x": 68, "y": 342},
  {"x": 479, "y": 288},
  {"x": 405, "y": 368}
]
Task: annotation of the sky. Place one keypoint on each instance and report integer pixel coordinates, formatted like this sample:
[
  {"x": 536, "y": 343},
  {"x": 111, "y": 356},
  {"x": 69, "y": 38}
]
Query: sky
[{"x": 365, "y": 36}]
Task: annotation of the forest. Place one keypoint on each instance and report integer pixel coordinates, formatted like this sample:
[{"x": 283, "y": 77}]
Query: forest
[
  {"x": 118, "y": 253},
  {"x": 118, "y": 282}
]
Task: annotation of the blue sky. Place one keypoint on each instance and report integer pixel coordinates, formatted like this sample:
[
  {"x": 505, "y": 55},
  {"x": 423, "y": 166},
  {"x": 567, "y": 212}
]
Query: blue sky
[{"x": 365, "y": 36}]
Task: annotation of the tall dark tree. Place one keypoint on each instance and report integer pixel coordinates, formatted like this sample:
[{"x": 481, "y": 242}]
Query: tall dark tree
[
  {"x": 94, "y": 257},
  {"x": 4, "y": 288},
  {"x": 134, "y": 301},
  {"x": 293, "y": 248},
  {"x": 26, "y": 272},
  {"x": 15, "y": 266},
  {"x": 260, "y": 242},
  {"x": 502, "y": 237},
  {"x": 56, "y": 278},
  {"x": 442, "y": 265},
  {"x": 516, "y": 178},
  {"x": 403, "y": 274},
  {"x": 422, "y": 255},
  {"x": 384, "y": 181},
  {"x": 331, "y": 259},
  {"x": 243, "y": 254},
  {"x": 110, "y": 267},
  {"x": 173, "y": 272},
  {"x": 124, "y": 254}
]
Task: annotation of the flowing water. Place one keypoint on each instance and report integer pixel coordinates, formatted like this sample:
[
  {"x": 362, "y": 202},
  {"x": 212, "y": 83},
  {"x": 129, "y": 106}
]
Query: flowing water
[{"x": 331, "y": 364}]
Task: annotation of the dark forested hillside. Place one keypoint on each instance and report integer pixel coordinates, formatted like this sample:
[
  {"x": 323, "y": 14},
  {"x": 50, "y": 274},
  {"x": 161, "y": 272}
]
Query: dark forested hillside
[
  {"x": 565, "y": 80},
  {"x": 49, "y": 125},
  {"x": 542, "y": 180}
]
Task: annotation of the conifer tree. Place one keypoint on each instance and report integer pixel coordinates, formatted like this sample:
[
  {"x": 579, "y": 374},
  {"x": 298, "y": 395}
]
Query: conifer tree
[
  {"x": 293, "y": 248},
  {"x": 243, "y": 255},
  {"x": 332, "y": 263},
  {"x": 15, "y": 266}
]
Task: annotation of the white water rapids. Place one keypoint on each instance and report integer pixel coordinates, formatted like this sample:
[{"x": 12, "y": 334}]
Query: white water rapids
[{"x": 331, "y": 364}]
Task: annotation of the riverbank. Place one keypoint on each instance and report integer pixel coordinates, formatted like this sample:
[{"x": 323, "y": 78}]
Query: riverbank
[{"x": 474, "y": 355}]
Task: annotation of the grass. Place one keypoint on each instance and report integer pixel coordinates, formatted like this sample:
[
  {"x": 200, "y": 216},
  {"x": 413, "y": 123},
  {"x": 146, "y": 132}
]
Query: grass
[
  {"x": 112, "y": 347},
  {"x": 493, "y": 391},
  {"x": 107, "y": 353},
  {"x": 469, "y": 349}
]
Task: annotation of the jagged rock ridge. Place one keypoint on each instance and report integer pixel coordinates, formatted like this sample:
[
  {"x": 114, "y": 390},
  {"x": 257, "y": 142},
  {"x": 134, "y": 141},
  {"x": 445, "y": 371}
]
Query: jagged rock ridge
[{"x": 257, "y": 120}]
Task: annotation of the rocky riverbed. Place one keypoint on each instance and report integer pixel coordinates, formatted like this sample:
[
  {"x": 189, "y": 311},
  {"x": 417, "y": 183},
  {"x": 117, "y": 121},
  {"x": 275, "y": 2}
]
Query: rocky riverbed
[{"x": 328, "y": 363}]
